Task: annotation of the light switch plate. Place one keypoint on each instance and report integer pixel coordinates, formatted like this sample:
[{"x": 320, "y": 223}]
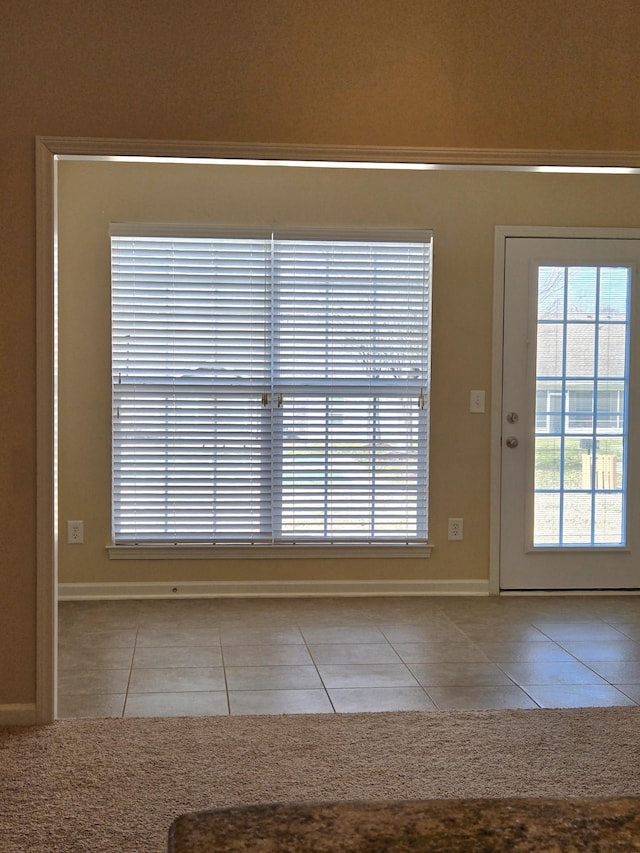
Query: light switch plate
[{"x": 476, "y": 402}]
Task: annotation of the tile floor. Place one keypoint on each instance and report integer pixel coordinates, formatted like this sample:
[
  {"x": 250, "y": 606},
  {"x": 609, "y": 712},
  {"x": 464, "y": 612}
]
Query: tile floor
[{"x": 275, "y": 656}]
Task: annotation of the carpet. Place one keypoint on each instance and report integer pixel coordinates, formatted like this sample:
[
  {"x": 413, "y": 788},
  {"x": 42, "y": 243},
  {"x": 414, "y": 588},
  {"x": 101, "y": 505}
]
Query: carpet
[{"x": 115, "y": 785}]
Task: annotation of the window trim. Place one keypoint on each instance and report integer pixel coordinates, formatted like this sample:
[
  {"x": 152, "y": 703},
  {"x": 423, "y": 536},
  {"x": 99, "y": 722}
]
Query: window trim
[{"x": 320, "y": 550}]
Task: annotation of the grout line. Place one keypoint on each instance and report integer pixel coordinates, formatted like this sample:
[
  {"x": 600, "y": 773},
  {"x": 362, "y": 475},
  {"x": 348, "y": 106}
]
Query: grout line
[
  {"x": 310, "y": 653},
  {"x": 133, "y": 656},
  {"x": 224, "y": 672}
]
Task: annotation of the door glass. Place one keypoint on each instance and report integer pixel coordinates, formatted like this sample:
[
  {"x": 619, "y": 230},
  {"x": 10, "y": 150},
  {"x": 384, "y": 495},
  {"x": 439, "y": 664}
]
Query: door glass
[{"x": 581, "y": 406}]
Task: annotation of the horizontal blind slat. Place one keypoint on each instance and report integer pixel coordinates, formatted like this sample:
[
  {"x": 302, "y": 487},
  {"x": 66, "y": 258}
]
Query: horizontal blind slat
[{"x": 335, "y": 333}]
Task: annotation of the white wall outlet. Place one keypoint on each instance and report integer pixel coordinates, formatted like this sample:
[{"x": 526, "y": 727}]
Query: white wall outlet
[
  {"x": 75, "y": 532},
  {"x": 454, "y": 529},
  {"x": 476, "y": 402}
]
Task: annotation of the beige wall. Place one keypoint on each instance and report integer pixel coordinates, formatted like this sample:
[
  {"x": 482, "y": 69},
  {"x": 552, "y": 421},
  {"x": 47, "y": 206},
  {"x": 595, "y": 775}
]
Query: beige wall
[
  {"x": 461, "y": 73},
  {"x": 461, "y": 207}
]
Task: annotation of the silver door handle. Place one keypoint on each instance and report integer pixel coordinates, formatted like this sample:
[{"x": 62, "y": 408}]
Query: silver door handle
[
  {"x": 512, "y": 418},
  {"x": 512, "y": 441}
]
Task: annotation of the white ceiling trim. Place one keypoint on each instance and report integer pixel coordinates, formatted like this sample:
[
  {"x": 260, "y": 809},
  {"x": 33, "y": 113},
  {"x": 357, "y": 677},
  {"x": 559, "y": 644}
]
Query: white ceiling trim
[{"x": 89, "y": 148}]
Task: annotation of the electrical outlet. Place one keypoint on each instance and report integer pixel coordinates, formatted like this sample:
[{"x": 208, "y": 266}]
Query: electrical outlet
[
  {"x": 454, "y": 529},
  {"x": 75, "y": 532}
]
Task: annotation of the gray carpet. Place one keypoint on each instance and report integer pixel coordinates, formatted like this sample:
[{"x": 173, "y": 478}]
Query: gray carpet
[{"x": 115, "y": 785}]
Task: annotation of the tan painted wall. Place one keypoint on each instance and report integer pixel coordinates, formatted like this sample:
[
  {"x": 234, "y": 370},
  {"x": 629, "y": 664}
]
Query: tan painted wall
[
  {"x": 461, "y": 207},
  {"x": 460, "y": 73}
]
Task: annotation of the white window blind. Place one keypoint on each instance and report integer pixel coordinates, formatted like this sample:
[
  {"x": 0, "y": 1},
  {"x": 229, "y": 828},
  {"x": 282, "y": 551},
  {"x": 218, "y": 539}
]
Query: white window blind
[{"x": 271, "y": 388}]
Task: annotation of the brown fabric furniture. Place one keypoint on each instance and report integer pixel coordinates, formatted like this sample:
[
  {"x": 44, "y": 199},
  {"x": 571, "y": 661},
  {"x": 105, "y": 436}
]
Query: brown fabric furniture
[{"x": 446, "y": 826}]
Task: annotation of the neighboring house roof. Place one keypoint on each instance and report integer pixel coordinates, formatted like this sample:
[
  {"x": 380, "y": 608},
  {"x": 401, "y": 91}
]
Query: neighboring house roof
[{"x": 592, "y": 349}]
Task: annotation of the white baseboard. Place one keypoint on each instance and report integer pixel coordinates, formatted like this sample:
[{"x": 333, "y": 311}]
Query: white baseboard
[
  {"x": 18, "y": 715},
  {"x": 269, "y": 589}
]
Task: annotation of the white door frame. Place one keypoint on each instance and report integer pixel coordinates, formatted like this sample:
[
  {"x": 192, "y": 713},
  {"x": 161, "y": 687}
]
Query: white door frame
[
  {"x": 502, "y": 233},
  {"x": 50, "y": 149}
]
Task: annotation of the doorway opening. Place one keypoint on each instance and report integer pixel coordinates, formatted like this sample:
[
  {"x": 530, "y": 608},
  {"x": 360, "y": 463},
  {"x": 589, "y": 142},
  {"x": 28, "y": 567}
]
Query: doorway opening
[{"x": 52, "y": 152}]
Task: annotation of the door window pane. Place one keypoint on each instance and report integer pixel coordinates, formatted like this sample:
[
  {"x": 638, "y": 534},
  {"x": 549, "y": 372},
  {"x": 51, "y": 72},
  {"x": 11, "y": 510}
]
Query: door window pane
[
  {"x": 547, "y": 472},
  {"x": 581, "y": 292},
  {"x": 580, "y": 339},
  {"x": 614, "y": 293},
  {"x": 576, "y": 519},
  {"x": 610, "y": 407},
  {"x": 612, "y": 349},
  {"x": 551, "y": 293},
  {"x": 550, "y": 349},
  {"x": 547, "y": 514}
]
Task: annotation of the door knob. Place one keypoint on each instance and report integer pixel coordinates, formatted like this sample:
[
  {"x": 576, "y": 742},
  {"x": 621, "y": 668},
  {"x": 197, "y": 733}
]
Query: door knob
[
  {"x": 512, "y": 418},
  {"x": 512, "y": 441}
]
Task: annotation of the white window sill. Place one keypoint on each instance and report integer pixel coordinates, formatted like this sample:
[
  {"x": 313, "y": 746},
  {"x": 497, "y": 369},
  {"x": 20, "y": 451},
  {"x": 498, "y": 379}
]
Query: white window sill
[{"x": 265, "y": 552}]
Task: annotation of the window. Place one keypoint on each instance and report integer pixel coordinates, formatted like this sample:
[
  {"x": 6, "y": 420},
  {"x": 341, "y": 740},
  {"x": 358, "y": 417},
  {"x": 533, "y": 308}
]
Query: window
[{"x": 269, "y": 388}]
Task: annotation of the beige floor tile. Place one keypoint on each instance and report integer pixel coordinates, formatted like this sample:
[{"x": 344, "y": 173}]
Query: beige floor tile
[
  {"x": 99, "y": 615},
  {"x": 366, "y": 675},
  {"x": 90, "y": 706},
  {"x": 194, "y": 611},
  {"x": 629, "y": 629},
  {"x": 502, "y": 632},
  {"x": 182, "y": 619},
  {"x": 247, "y": 635},
  {"x": 118, "y": 638},
  {"x": 94, "y": 657},
  {"x": 550, "y": 672},
  {"x": 343, "y": 634},
  {"x": 183, "y": 704},
  {"x": 93, "y": 681},
  {"x": 564, "y": 611},
  {"x": 177, "y": 679},
  {"x": 272, "y": 678},
  {"x": 616, "y": 671},
  {"x": 334, "y": 621},
  {"x": 589, "y": 631},
  {"x": 480, "y": 698},
  {"x": 603, "y": 649},
  {"x": 439, "y": 652},
  {"x": 294, "y": 654},
  {"x": 353, "y": 653},
  {"x": 459, "y": 674},
  {"x": 576, "y": 695},
  {"x": 177, "y": 636},
  {"x": 518, "y": 651},
  {"x": 630, "y": 690},
  {"x": 279, "y": 702},
  {"x": 366, "y": 699},
  {"x": 422, "y": 633},
  {"x": 177, "y": 656}
]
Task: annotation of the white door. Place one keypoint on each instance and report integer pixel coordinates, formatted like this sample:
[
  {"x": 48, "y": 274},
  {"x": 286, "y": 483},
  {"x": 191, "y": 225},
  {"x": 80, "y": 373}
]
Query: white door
[{"x": 570, "y": 442}]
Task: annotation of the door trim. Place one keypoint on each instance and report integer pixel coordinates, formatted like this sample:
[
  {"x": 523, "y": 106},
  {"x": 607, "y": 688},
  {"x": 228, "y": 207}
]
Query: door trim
[{"x": 502, "y": 234}]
